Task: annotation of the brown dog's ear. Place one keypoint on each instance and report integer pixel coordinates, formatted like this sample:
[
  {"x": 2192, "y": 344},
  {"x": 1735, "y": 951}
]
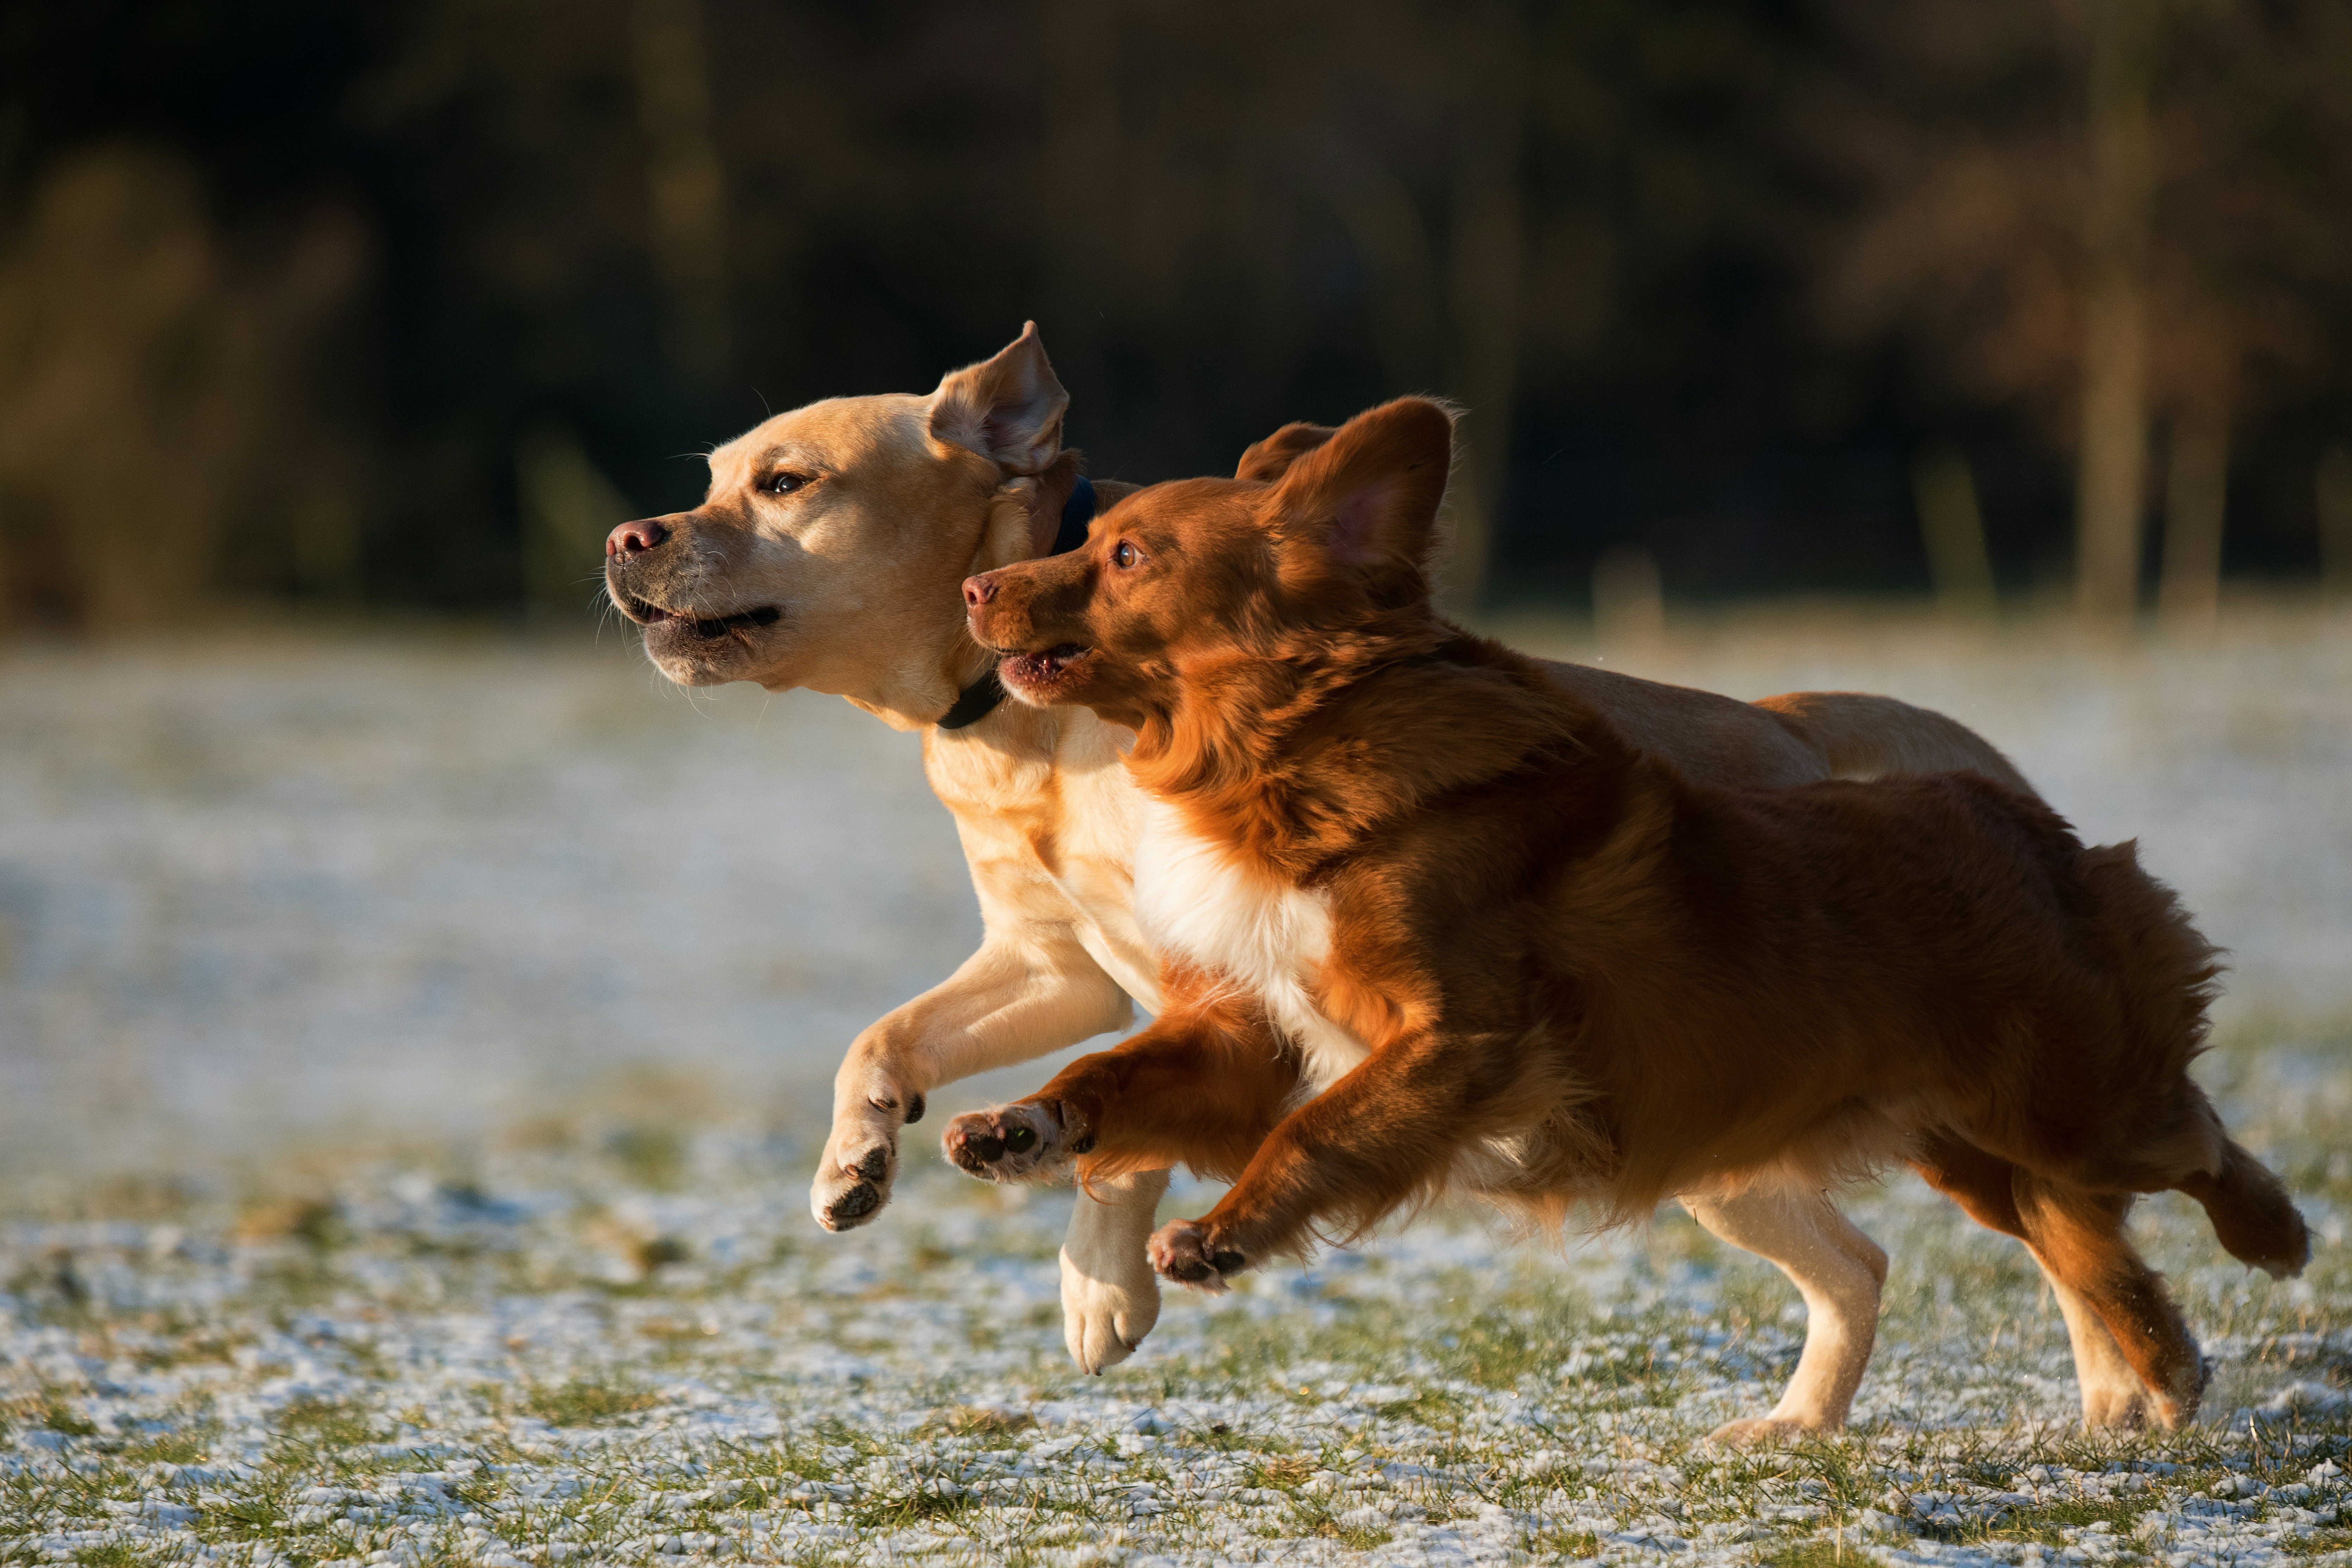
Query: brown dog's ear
[
  {"x": 1366, "y": 501},
  {"x": 1008, "y": 409},
  {"x": 1269, "y": 460}
]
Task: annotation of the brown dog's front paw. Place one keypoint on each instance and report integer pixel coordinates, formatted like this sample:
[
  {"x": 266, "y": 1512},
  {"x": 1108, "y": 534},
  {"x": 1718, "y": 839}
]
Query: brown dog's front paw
[
  {"x": 1183, "y": 1251},
  {"x": 1025, "y": 1141}
]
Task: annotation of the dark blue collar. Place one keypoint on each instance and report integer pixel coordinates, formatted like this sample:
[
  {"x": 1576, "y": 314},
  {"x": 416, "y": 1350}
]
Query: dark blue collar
[
  {"x": 979, "y": 699},
  {"x": 1077, "y": 513}
]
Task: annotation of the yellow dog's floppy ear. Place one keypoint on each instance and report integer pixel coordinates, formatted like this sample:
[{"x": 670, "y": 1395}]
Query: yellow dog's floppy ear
[
  {"x": 1366, "y": 501},
  {"x": 1266, "y": 461},
  {"x": 1008, "y": 409}
]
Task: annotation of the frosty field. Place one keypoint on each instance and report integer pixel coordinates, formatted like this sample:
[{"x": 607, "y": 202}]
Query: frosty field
[{"x": 413, "y": 1054}]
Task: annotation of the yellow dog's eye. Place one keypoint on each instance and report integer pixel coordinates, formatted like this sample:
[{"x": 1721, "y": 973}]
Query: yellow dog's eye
[
  {"x": 1124, "y": 556},
  {"x": 785, "y": 484}
]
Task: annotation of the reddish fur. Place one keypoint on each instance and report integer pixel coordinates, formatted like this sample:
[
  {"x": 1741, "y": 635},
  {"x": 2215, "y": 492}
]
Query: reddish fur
[
  {"x": 1214, "y": 1076},
  {"x": 1541, "y": 933}
]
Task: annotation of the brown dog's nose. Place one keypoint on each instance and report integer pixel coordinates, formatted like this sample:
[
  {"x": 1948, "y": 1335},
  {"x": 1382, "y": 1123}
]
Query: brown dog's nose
[
  {"x": 979, "y": 590},
  {"x": 631, "y": 538}
]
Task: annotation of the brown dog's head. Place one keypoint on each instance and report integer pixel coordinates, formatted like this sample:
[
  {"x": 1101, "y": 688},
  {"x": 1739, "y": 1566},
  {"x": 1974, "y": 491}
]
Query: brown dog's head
[
  {"x": 1180, "y": 577},
  {"x": 827, "y": 552}
]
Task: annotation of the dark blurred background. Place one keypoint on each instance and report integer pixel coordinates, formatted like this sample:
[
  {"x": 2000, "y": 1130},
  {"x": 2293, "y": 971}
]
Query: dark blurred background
[{"x": 317, "y": 307}]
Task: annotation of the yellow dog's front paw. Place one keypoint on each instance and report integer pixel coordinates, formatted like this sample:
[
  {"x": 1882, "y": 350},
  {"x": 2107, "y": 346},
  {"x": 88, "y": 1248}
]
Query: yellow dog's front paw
[{"x": 860, "y": 1161}]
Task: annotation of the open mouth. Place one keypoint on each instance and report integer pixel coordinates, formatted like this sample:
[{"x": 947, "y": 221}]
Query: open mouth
[
  {"x": 1041, "y": 668},
  {"x": 651, "y": 615}
]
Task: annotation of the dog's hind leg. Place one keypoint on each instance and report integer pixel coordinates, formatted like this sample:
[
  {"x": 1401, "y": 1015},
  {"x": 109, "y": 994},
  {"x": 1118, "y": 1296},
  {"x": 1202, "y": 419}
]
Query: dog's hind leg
[
  {"x": 1837, "y": 1269},
  {"x": 1984, "y": 1185},
  {"x": 2079, "y": 1238}
]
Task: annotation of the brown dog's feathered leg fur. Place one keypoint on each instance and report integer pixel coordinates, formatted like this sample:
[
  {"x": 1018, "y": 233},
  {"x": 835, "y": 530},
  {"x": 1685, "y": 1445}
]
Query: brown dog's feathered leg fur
[
  {"x": 1197, "y": 1088},
  {"x": 1984, "y": 1186},
  {"x": 2078, "y": 1239},
  {"x": 2080, "y": 1235},
  {"x": 1384, "y": 1133},
  {"x": 1202, "y": 1087}
]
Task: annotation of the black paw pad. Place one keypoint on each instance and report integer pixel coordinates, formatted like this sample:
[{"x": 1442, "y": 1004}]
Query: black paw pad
[
  {"x": 1227, "y": 1262},
  {"x": 875, "y": 1165},
  {"x": 914, "y": 1108},
  {"x": 856, "y": 1204},
  {"x": 1020, "y": 1139},
  {"x": 1191, "y": 1270}
]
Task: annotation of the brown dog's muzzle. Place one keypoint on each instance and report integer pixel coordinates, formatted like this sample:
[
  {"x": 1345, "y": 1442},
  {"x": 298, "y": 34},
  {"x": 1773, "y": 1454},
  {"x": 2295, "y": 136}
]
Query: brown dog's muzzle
[
  {"x": 1035, "y": 614},
  {"x": 1035, "y": 604}
]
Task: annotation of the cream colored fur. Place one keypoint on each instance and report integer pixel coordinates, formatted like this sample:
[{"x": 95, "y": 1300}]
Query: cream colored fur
[
  {"x": 904, "y": 497},
  {"x": 1269, "y": 940}
]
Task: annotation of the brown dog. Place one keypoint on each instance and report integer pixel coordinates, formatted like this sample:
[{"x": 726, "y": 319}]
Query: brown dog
[{"x": 1399, "y": 868}]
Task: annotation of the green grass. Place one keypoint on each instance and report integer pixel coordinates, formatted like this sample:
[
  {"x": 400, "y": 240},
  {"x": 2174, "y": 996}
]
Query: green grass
[
  {"x": 56, "y": 1414},
  {"x": 328, "y": 1423},
  {"x": 1815, "y": 1553},
  {"x": 586, "y": 1401},
  {"x": 970, "y": 1437},
  {"x": 918, "y": 1502},
  {"x": 652, "y": 1157},
  {"x": 182, "y": 1446}
]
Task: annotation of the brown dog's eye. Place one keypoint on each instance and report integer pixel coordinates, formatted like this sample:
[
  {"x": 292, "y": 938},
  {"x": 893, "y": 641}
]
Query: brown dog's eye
[
  {"x": 785, "y": 484},
  {"x": 1124, "y": 556}
]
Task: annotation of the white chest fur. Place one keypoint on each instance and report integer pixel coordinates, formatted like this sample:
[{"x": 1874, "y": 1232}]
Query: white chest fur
[{"x": 1272, "y": 942}]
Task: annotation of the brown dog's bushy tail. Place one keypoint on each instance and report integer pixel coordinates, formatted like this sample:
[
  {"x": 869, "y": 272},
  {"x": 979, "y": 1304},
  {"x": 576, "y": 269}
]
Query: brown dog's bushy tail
[
  {"x": 2251, "y": 1215},
  {"x": 2169, "y": 972},
  {"x": 1861, "y": 736}
]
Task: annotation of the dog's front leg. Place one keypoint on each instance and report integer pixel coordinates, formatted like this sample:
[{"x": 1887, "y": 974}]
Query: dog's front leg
[
  {"x": 1383, "y": 1133},
  {"x": 1029, "y": 989},
  {"x": 1110, "y": 1298},
  {"x": 1837, "y": 1269},
  {"x": 1202, "y": 1087}
]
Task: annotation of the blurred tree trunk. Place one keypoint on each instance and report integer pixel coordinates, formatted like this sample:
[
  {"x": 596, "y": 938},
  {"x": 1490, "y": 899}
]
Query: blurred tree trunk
[
  {"x": 2196, "y": 500},
  {"x": 1483, "y": 345},
  {"x": 2333, "y": 484},
  {"x": 1952, "y": 527},
  {"x": 2112, "y": 476},
  {"x": 685, "y": 183},
  {"x": 155, "y": 399}
]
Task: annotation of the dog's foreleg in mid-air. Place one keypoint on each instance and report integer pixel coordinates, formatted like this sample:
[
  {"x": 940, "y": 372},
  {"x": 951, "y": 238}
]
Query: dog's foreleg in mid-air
[
  {"x": 1110, "y": 1298},
  {"x": 1029, "y": 989},
  {"x": 1182, "y": 1091},
  {"x": 1387, "y": 1129},
  {"x": 1199, "y": 1088}
]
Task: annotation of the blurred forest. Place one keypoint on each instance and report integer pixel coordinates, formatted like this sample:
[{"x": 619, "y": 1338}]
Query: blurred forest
[{"x": 370, "y": 306}]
